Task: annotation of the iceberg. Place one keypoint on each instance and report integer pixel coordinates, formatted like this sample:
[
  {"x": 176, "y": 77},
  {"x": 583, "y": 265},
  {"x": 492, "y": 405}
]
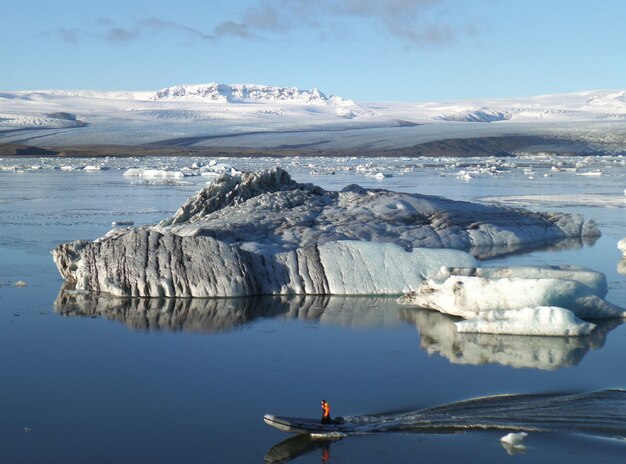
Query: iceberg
[
  {"x": 542, "y": 320},
  {"x": 263, "y": 233},
  {"x": 471, "y": 296},
  {"x": 139, "y": 262}
]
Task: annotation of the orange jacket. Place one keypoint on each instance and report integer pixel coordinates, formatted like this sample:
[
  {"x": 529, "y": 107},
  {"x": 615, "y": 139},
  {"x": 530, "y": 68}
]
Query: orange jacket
[{"x": 326, "y": 409}]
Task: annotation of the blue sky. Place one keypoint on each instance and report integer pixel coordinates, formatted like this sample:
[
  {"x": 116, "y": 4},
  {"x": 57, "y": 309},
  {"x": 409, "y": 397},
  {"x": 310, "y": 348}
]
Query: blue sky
[{"x": 366, "y": 50}]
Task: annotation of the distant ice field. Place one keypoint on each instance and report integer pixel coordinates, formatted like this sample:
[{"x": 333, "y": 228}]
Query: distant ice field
[{"x": 249, "y": 115}]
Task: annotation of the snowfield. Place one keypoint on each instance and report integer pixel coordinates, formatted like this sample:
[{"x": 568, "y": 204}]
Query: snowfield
[{"x": 242, "y": 114}]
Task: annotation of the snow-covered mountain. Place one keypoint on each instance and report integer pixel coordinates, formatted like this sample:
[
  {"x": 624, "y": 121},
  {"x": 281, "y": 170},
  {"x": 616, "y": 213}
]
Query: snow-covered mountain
[
  {"x": 253, "y": 115},
  {"x": 240, "y": 93}
]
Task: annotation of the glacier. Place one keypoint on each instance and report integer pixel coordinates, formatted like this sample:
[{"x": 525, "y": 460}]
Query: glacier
[
  {"x": 260, "y": 117},
  {"x": 264, "y": 233}
]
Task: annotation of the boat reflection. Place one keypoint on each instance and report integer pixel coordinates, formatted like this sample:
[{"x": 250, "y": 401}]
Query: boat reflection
[
  {"x": 298, "y": 446},
  {"x": 438, "y": 334}
]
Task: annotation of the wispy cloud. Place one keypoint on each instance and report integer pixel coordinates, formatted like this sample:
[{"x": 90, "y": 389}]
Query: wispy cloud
[
  {"x": 415, "y": 22},
  {"x": 106, "y": 29},
  {"x": 424, "y": 23}
]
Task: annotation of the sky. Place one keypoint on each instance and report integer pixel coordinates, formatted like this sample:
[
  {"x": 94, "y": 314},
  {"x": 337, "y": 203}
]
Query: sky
[{"x": 364, "y": 50}]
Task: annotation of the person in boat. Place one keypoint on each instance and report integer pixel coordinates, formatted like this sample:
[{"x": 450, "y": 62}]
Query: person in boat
[{"x": 326, "y": 419}]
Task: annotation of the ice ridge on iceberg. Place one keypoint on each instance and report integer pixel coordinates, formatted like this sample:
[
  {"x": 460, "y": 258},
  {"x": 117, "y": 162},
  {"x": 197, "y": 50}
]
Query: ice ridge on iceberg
[{"x": 264, "y": 233}]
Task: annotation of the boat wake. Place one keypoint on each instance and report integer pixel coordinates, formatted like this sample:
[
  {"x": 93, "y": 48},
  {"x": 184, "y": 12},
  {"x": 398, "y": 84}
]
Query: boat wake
[{"x": 601, "y": 413}]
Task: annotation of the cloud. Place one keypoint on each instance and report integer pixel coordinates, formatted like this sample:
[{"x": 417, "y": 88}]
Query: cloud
[
  {"x": 107, "y": 30},
  {"x": 119, "y": 34},
  {"x": 156, "y": 25},
  {"x": 423, "y": 23},
  {"x": 415, "y": 22}
]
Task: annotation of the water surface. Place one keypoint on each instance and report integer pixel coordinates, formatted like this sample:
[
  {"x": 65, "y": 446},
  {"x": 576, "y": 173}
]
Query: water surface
[{"x": 96, "y": 379}]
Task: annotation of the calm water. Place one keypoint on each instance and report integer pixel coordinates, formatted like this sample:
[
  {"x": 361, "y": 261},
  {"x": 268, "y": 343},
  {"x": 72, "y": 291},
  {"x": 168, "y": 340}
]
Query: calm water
[{"x": 104, "y": 380}]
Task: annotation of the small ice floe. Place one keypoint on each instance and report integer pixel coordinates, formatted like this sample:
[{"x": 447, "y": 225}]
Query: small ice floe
[
  {"x": 514, "y": 438},
  {"x": 94, "y": 168},
  {"x": 153, "y": 173},
  {"x": 589, "y": 173},
  {"x": 122, "y": 223},
  {"x": 513, "y": 443},
  {"x": 622, "y": 245},
  {"x": 20, "y": 284},
  {"x": 382, "y": 175}
]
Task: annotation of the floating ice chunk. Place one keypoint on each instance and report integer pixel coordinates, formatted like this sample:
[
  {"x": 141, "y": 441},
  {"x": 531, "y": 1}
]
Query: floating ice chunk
[
  {"x": 468, "y": 296},
  {"x": 542, "y": 320},
  {"x": 122, "y": 223},
  {"x": 593, "y": 279},
  {"x": 513, "y": 443},
  {"x": 589, "y": 173},
  {"x": 514, "y": 438},
  {"x": 382, "y": 175},
  {"x": 20, "y": 283},
  {"x": 153, "y": 173},
  {"x": 622, "y": 246}
]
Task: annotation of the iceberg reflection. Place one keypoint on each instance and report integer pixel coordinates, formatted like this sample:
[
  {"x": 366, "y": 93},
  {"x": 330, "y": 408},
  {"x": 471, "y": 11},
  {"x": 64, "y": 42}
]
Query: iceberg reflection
[
  {"x": 438, "y": 334},
  {"x": 216, "y": 315}
]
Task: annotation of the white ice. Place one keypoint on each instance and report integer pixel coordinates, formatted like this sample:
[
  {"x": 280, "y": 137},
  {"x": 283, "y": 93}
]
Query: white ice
[
  {"x": 514, "y": 438},
  {"x": 468, "y": 296},
  {"x": 354, "y": 267},
  {"x": 595, "y": 280},
  {"x": 622, "y": 246},
  {"x": 209, "y": 111}
]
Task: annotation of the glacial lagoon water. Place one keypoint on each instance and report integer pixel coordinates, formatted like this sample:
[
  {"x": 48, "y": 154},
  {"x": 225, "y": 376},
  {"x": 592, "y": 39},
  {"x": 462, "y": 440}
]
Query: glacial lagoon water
[{"x": 95, "y": 379}]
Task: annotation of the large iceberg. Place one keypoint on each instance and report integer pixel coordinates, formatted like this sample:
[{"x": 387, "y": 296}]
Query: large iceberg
[{"x": 263, "y": 233}]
